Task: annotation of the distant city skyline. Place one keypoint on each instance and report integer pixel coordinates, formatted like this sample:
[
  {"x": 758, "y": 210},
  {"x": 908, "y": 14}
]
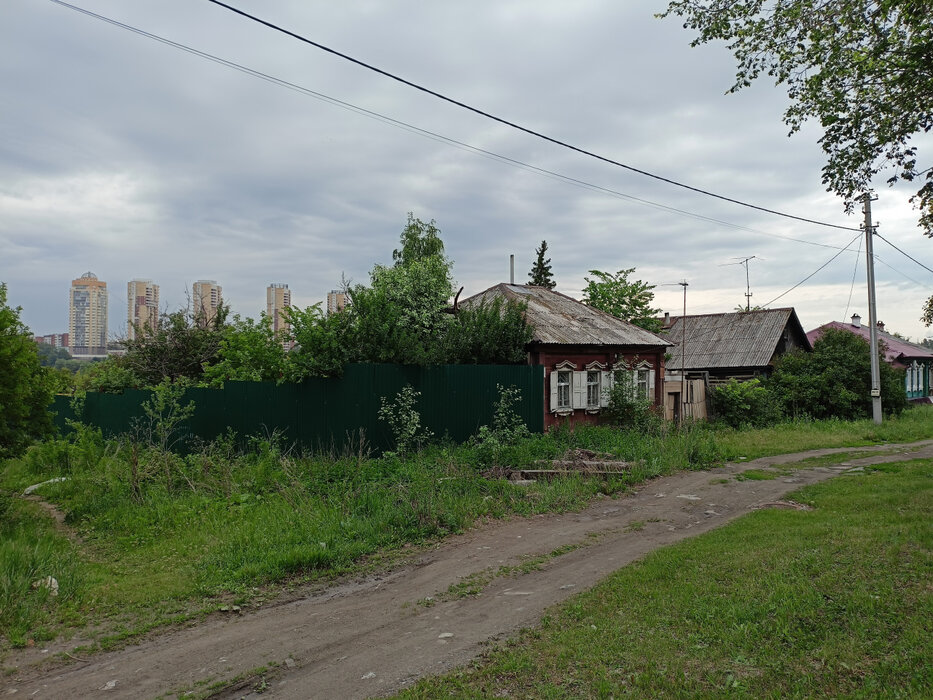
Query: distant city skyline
[{"x": 144, "y": 303}]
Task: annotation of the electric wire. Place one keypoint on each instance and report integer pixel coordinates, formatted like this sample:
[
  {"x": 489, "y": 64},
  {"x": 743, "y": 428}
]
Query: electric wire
[
  {"x": 845, "y": 313},
  {"x": 902, "y": 274},
  {"x": 813, "y": 273},
  {"x": 902, "y": 252},
  {"x": 513, "y": 125},
  {"x": 489, "y": 154},
  {"x": 411, "y": 128}
]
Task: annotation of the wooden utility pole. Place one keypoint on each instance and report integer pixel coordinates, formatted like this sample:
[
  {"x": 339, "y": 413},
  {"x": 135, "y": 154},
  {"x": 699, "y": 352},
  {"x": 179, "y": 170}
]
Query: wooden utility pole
[
  {"x": 683, "y": 358},
  {"x": 872, "y": 315}
]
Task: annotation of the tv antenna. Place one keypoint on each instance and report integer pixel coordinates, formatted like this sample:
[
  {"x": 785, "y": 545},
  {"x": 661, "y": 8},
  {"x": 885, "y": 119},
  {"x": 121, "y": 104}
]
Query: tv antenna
[{"x": 748, "y": 288}]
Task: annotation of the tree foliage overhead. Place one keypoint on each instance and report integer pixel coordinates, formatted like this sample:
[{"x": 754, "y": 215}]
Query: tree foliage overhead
[
  {"x": 624, "y": 299},
  {"x": 540, "y": 275},
  {"x": 862, "y": 68},
  {"x": 927, "y": 317},
  {"x": 25, "y": 386}
]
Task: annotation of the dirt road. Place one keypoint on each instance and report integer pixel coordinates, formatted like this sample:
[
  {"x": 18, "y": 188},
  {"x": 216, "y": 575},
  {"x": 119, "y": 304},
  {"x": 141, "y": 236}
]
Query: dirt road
[{"x": 364, "y": 638}]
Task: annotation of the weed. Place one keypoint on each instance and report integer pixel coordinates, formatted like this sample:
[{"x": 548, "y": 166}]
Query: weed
[{"x": 404, "y": 420}]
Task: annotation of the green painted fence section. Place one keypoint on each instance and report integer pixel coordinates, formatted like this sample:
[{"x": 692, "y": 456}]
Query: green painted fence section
[{"x": 324, "y": 414}]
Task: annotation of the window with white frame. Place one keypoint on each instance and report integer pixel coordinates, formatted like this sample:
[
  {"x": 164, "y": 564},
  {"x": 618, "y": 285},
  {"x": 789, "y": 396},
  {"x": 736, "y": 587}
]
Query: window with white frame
[
  {"x": 564, "y": 384},
  {"x": 593, "y": 388},
  {"x": 642, "y": 381}
]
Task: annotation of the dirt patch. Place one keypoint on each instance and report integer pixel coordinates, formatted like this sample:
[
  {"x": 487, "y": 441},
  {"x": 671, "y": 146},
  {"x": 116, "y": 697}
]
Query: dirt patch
[
  {"x": 786, "y": 505},
  {"x": 371, "y": 636}
]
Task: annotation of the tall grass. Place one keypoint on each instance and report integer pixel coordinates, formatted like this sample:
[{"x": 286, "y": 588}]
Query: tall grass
[
  {"x": 161, "y": 530},
  {"x": 29, "y": 554}
]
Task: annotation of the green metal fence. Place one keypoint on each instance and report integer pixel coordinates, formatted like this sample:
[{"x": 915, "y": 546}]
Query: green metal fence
[{"x": 320, "y": 414}]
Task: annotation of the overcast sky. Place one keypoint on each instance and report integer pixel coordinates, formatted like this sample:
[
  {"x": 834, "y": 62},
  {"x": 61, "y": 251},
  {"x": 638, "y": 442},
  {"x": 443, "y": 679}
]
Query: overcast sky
[{"x": 131, "y": 159}]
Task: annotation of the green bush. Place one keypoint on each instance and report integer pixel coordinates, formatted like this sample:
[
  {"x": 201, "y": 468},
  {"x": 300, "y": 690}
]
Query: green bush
[
  {"x": 834, "y": 381},
  {"x": 748, "y": 403},
  {"x": 628, "y": 409}
]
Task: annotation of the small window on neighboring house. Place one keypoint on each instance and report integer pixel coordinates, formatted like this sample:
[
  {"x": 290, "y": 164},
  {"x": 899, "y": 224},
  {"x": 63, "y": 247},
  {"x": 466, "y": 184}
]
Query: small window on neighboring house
[
  {"x": 593, "y": 389},
  {"x": 564, "y": 379}
]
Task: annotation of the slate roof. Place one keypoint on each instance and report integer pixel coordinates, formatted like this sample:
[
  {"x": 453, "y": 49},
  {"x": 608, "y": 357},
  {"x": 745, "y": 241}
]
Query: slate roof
[
  {"x": 733, "y": 340},
  {"x": 562, "y": 320},
  {"x": 896, "y": 351}
]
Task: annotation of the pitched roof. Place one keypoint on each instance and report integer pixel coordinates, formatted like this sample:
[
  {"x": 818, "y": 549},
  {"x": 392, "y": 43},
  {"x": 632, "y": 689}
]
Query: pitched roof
[
  {"x": 895, "y": 349},
  {"x": 562, "y": 320},
  {"x": 721, "y": 341}
]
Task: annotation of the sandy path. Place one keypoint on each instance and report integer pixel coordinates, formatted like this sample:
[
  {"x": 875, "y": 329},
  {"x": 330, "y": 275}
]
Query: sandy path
[{"x": 370, "y": 637}]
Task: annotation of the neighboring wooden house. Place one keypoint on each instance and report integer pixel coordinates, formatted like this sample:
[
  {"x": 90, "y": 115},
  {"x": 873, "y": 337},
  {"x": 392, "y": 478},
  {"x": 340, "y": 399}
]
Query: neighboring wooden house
[
  {"x": 580, "y": 349},
  {"x": 915, "y": 360},
  {"x": 720, "y": 347}
]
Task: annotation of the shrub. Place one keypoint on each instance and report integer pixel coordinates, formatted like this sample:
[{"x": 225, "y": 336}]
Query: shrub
[
  {"x": 745, "y": 403},
  {"x": 835, "y": 380},
  {"x": 404, "y": 420},
  {"x": 628, "y": 409},
  {"x": 507, "y": 427}
]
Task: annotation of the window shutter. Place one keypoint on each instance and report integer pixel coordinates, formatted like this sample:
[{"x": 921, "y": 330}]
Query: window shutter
[
  {"x": 552, "y": 406},
  {"x": 578, "y": 390},
  {"x": 605, "y": 387}
]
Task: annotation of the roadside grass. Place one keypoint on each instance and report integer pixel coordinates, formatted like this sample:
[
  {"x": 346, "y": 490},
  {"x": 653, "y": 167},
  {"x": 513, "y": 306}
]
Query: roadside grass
[
  {"x": 797, "y": 436},
  {"x": 165, "y": 538},
  {"x": 781, "y": 603}
]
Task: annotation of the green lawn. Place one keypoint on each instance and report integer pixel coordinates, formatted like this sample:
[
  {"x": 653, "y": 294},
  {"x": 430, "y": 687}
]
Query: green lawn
[{"x": 833, "y": 602}]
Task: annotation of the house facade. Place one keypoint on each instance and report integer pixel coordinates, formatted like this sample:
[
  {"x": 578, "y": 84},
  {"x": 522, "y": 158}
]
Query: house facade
[
  {"x": 712, "y": 349},
  {"x": 583, "y": 352},
  {"x": 915, "y": 360}
]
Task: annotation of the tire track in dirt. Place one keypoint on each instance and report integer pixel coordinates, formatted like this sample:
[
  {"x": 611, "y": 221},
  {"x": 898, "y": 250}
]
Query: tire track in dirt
[{"x": 370, "y": 637}]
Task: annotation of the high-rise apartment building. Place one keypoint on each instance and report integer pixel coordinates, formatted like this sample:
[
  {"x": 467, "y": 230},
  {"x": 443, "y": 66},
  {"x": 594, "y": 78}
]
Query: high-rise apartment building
[
  {"x": 336, "y": 301},
  {"x": 206, "y": 297},
  {"x": 142, "y": 306},
  {"x": 87, "y": 316},
  {"x": 278, "y": 298}
]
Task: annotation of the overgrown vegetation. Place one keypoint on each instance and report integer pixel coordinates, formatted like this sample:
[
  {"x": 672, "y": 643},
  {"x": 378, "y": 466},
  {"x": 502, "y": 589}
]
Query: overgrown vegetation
[
  {"x": 402, "y": 316},
  {"x": 833, "y": 381},
  {"x": 831, "y": 602},
  {"x": 25, "y": 386},
  {"x": 157, "y": 536}
]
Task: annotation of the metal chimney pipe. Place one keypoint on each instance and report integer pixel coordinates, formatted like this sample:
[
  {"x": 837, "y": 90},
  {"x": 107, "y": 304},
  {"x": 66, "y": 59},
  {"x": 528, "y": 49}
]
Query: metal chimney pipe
[{"x": 511, "y": 269}]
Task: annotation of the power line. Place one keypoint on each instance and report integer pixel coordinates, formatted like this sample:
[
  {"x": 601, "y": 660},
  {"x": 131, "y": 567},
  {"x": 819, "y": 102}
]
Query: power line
[
  {"x": 894, "y": 269},
  {"x": 427, "y": 133},
  {"x": 845, "y": 313},
  {"x": 902, "y": 252},
  {"x": 814, "y": 272},
  {"x": 511, "y": 124}
]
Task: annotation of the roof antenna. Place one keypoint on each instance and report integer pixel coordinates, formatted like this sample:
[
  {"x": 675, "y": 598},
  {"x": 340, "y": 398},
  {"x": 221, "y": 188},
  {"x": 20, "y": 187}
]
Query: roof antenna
[{"x": 748, "y": 288}]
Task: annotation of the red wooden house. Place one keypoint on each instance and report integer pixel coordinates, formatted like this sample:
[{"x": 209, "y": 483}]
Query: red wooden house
[{"x": 581, "y": 350}]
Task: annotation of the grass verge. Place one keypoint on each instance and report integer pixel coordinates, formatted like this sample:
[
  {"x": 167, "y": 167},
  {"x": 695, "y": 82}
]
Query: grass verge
[
  {"x": 835, "y": 601},
  {"x": 160, "y": 539}
]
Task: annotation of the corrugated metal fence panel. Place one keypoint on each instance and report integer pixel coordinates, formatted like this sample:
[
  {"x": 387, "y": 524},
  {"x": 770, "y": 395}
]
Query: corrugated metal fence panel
[
  {"x": 329, "y": 414},
  {"x": 61, "y": 407}
]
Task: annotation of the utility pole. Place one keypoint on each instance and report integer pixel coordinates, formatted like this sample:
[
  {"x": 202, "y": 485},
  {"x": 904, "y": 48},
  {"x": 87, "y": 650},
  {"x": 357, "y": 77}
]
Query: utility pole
[
  {"x": 683, "y": 357},
  {"x": 872, "y": 315}
]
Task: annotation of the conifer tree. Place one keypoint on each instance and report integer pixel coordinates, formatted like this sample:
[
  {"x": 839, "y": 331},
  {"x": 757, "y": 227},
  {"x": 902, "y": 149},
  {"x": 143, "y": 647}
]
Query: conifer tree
[{"x": 540, "y": 274}]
